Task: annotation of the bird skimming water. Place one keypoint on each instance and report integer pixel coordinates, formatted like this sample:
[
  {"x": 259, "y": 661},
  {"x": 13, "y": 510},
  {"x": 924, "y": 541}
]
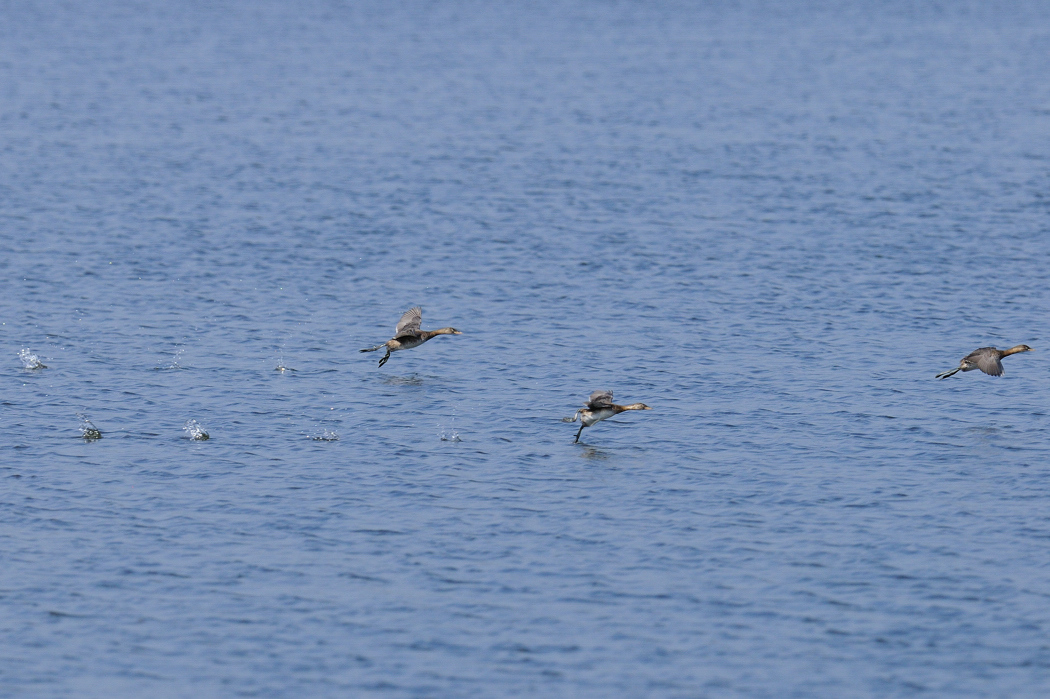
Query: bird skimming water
[
  {"x": 987, "y": 359},
  {"x": 408, "y": 335},
  {"x": 600, "y": 407}
]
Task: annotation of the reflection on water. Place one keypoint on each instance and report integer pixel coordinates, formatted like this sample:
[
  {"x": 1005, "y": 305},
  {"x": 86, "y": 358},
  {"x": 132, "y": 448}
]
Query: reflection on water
[
  {"x": 593, "y": 453},
  {"x": 412, "y": 380}
]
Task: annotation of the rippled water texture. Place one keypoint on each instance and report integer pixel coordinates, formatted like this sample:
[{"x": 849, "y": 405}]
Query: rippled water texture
[{"x": 771, "y": 222}]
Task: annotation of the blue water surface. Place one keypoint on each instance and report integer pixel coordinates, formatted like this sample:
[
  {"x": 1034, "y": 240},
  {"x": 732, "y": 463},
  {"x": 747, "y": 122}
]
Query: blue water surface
[{"x": 773, "y": 222}]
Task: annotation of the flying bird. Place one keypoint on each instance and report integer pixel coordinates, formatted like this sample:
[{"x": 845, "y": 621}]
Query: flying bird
[
  {"x": 987, "y": 359},
  {"x": 600, "y": 407},
  {"x": 408, "y": 335}
]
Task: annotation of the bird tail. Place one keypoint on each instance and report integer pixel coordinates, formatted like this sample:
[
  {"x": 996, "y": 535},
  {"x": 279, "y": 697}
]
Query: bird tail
[
  {"x": 373, "y": 349},
  {"x": 946, "y": 374}
]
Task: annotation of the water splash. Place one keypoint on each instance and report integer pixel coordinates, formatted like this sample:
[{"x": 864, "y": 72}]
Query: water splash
[
  {"x": 174, "y": 364},
  {"x": 279, "y": 358},
  {"x": 450, "y": 435},
  {"x": 30, "y": 360},
  {"x": 87, "y": 429},
  {"x": 195, "y": 431},
  {"x": 326, "y": 435}
]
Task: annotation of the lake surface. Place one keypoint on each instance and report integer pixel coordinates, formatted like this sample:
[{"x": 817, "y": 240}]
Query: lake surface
[{"x": 771, "y": 222}]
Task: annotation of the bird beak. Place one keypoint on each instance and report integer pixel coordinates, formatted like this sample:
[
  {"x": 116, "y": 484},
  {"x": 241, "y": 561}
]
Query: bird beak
[
  {"x": 647, "y": 408},
  {"x": 456, "y": 332}
]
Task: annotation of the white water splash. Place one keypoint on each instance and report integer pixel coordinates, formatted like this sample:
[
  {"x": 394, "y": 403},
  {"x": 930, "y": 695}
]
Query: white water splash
[
  {"x": 326, "y": 435},
  {"x": 87, "y": 428},
  {"x": 174, "y": 364},
  {"x": 450, "y": 435},
  {"x": 278, "y": 357},
  {"x": 30, "y": 360},
  {"x": 195, "y": 431}
]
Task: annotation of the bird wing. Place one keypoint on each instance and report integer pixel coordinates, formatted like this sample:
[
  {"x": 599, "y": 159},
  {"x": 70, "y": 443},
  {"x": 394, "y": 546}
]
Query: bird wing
[
  {"x": 600, "y": 399},
  {"x": 988, "y": 362},
  {"x": 409, "y": 323},
  {"x": 976, "y": 354}
]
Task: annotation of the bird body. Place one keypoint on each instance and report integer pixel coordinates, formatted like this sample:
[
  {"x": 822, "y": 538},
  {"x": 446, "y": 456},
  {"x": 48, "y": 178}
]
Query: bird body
[
  {"x": 987, "y": 359},
  {"x": 600, "y": 407},
  {"x": 407, "y": 334}
]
